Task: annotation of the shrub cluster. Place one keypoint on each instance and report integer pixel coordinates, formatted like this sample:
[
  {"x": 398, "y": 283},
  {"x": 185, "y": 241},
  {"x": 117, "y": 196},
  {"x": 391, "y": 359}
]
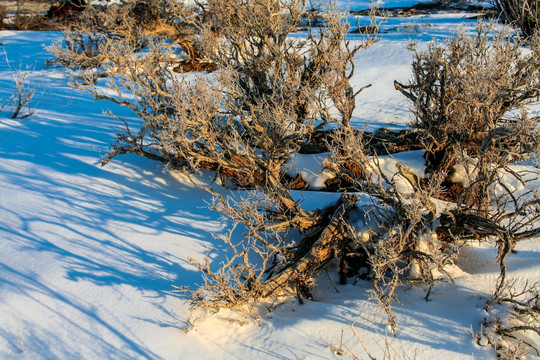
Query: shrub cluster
[
  {"x": 469, "y": 98},
  {"x": 269, "y": 94}
]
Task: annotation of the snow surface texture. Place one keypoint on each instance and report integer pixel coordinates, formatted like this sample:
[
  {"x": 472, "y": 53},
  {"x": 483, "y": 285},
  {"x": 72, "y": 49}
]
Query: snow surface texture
[{"x": 89, "y": 254}]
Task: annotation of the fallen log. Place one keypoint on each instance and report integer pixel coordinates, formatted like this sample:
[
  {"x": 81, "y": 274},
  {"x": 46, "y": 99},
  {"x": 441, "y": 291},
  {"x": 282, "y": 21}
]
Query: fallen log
[{"x": 327, "y": 247}]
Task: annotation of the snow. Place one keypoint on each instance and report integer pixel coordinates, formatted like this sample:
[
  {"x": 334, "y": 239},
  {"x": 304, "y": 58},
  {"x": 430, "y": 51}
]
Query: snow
[
  {"x": 311, "y": 168},
  {"x": 315, "y": 173},
  {"x": 355, "y": 5},
  {"x": 90, "y": 254}
]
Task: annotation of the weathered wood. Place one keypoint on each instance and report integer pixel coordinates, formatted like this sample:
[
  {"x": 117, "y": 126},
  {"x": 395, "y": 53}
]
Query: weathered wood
[
  {"x": 325, "y": 249},
  {"x": 465, "y": 225},
  {"x": 381, "y": 142}
]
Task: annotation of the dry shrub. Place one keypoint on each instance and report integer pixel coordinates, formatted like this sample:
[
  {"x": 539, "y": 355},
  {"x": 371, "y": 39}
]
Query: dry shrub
[
  {"x": 470, "y": 100},
  {"x": 84, "y": 45},
  {"x": 260, "y": 48},
  {"x": 237, "y": 281},
  {"x": 269, "y": 92},
  {"x": 398, "y": 244},
  {"x": 465, "y": 95},
  {"x": 512, "y": 326},
  {"x": 268, "y": 97},
  {"x": 131, "y": 23},
  {"x": 22, "y": 100},
  {"x": 524, "y": 14}
]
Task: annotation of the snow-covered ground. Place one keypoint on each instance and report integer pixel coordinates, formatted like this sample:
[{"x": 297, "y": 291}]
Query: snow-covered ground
[{"x": 89, "y": 254}]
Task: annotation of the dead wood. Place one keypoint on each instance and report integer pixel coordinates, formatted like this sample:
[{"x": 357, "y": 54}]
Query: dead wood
[
  {"x": 456, "y": 223},
  {"x": 194, "y": 64},
  {"x": 326, "y": 248},
  {"x": 298, "y": 183},
  {"x": 66, "y": 10},
  {"x": 383, "y": 141}
]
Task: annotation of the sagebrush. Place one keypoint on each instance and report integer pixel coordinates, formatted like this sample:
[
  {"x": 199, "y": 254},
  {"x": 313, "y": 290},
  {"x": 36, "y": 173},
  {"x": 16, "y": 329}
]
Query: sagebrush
[{"x": 264, "y": 93}]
